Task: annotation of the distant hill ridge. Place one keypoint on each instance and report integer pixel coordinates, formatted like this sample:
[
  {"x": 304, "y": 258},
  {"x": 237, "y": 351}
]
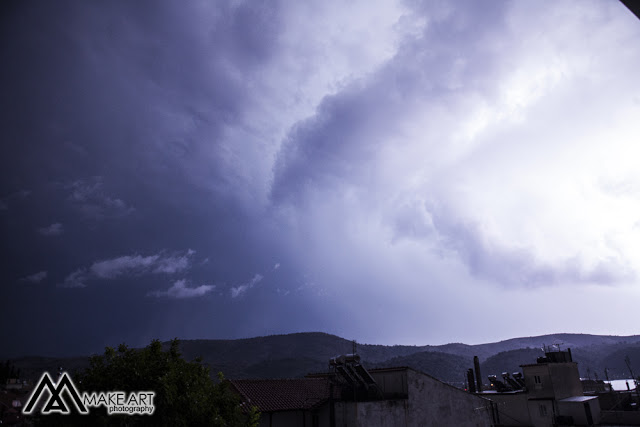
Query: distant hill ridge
[{"x": 294, "y": 355}]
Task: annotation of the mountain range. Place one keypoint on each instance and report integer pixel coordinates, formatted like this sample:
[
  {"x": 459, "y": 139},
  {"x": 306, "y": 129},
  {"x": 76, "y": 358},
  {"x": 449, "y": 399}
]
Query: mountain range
[{"x": 295, "y": 355}]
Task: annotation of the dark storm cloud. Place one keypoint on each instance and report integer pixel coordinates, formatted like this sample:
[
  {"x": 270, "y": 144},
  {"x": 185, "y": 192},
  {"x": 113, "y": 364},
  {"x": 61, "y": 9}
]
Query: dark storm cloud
[
  {"x": 323, "y": 160},
  {"x": 112, "y": 87},
  {"x": 332, "y": 146},
  {"x": 126, "y": 105}
]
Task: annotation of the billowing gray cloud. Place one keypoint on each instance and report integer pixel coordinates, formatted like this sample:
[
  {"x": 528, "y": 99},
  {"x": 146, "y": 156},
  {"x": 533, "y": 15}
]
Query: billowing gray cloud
[
  {"x": 513, "y": 265},
  {"x": 425, "y": 140}
]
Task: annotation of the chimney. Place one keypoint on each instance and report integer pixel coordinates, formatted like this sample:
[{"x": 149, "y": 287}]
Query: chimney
[
  {"x": 472, "y": 385},
  {"x": 476, "y": 365}
]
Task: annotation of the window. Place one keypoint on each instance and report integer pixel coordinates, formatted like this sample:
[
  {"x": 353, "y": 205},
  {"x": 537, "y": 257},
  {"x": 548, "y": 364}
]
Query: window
[
  {"x": 538, "y": 382},
  {"x": 543, "y": 410}
]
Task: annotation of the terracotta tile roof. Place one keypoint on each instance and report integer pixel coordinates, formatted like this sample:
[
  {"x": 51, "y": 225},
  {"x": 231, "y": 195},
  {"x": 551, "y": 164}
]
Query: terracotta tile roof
[{"x": 271, "y": 395}]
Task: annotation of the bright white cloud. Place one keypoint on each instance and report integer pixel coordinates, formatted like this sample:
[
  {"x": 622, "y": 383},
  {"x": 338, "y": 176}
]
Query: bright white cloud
[
  {"x": 130, "y": 265},
  {"x": 240, "y": 290},
  {"x": 173, "y": 264},
  {"x": 180, "y": 290},
  {"x": 501, "y": 168}
]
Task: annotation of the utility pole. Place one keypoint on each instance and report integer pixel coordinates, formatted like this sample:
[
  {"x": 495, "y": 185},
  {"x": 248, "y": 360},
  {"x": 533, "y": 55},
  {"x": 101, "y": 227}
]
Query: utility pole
[
  {"x": 633, "y": 377},
  {"x": 628, "y": 362}
]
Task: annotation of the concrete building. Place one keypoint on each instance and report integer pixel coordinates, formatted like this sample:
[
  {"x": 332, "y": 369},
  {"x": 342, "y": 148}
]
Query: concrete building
[
  {"x": 412, "y": 398},
  {"x": 550, "y": 394},
  {"x": 351, "y": 396}
]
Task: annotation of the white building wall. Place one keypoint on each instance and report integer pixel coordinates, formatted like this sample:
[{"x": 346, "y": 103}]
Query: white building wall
[
  {"x": 434, "y": 403},
  {"x": 382, "y": 413},
  {"x": 430, "y": 403},
  {"x": 578, "y": 412},
  {"x": 513, "y": 408}
]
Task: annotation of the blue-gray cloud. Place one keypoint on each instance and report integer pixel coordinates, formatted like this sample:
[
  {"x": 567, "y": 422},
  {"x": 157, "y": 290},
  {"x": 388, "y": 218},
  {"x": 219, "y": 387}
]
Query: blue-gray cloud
[
  {"x": 129, "y": 266},
  {"x": 36, "y": 277},
  {"x": 54, "y": 229},
  {"x": 240, "y": 290},
  {"x": 180, "y": 290},
  {"x": 90, "y": 198}
]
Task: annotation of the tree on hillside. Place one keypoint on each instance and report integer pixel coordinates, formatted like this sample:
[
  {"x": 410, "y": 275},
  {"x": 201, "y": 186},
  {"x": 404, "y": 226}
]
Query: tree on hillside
[{"x": 185, "y": 395}]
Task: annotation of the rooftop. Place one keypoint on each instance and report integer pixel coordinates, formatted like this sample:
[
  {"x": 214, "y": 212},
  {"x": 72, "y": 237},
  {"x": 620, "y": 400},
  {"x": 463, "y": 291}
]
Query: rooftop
[
  {"x": 578, "y": 399},
  {"x": 271, "y": 395}
]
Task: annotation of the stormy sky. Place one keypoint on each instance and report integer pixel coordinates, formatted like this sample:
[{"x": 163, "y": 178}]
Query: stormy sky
[{"x": 395, "y": 172}]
